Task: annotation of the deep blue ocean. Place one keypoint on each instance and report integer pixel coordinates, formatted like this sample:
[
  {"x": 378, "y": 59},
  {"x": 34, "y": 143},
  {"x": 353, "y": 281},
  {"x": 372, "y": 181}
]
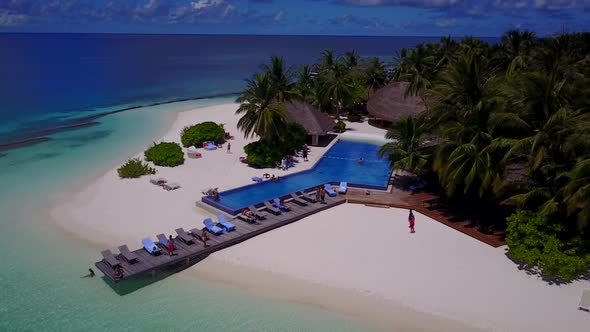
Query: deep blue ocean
[{"x": 55, "y": 80}]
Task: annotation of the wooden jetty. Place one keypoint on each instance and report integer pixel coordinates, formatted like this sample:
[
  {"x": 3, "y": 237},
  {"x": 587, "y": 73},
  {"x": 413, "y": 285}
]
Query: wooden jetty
[{"x": 188, "y": 254}]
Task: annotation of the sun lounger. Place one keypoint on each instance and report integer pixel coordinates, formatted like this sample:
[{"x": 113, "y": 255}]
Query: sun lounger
[
  {"x": 343, "y": 187},
  {"x": 259, "y": 214},
  {"x": 225, "y": 224},
  {"x": 246, "y": 218},
  {"x": 211, "y": 227},
  {"x": 277, "y": 203},
  {"x": 271, "y": 208},
  {"x": 150, "y": 246},
  {"x": 171, "y": 186},
  {"x": 307, "y": 196},
  {"x": 184, "y": 236},
  {"x": 329, "y": 190},
  {"x": 298, "y": 200},
  {"x": 210, "y": 147},
  {"x": 158, "y": 181},
  {"x": 162, "y": 240},
  {"x": 127, "y": 254},
  {"x": 110, "y": 259},
  {"x": 256, "y": 179},
  {"x": 585, "y": 300}
]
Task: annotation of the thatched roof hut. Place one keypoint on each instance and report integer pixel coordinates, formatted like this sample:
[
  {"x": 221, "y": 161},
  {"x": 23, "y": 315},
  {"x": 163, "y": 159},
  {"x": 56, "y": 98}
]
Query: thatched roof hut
[
  {"x": 317, "y": 123},
  {"x": 390, "y": 103}
]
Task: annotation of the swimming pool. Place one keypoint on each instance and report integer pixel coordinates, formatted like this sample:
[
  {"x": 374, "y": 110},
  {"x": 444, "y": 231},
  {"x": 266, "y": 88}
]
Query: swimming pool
[{"x": 340, "y": 163}]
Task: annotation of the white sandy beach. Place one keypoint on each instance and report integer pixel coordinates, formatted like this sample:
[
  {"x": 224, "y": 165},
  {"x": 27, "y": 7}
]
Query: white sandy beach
[{"x": 351, "y": 259}]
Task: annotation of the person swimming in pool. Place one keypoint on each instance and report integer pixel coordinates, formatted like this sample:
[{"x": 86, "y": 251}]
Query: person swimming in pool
[{"x": 360, "y": 160}]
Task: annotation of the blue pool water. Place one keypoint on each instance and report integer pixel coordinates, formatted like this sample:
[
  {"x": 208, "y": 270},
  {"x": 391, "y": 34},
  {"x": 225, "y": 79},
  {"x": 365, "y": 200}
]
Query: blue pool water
[{"x": 340, "y": 163}]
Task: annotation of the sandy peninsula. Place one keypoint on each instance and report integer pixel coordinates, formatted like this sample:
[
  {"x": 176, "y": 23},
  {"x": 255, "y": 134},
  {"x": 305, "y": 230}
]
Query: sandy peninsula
[{"x": 352, "y": 259}]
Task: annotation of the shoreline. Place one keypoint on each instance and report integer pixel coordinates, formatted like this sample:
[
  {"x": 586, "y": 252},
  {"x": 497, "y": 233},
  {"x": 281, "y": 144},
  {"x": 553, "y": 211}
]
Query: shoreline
[{"x": 109, "y": 211}]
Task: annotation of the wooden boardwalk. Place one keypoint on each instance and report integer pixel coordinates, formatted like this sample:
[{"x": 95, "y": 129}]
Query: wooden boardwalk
[
  {"x": 188, "y": 254},
  {"x": 407, "y": 200}
]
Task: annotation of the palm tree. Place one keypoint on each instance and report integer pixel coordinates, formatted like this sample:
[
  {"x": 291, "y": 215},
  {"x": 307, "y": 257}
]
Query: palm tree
[
  {"x": 280, "y": 78},
  {"x": 463, "y": 92},
  {"x": 262, "y": 114},
  {"x": 515, "y": 51},
  {"x": 304, "y": 84},
  {"x": 328, "y": 60},
  {"x": 351, "y": 59},
  {"x": 577, "y": 192},
  {"x": 336, "y": 86},
  {"x": 373, "y": 75},
  {"x": 418, "y": 69},
  {"x": 446, "y": 52},
  {"x": 404, "y": 152}
]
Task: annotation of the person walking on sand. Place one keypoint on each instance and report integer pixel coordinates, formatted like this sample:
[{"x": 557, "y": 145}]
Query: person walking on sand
[
  {"x": 411, "y": 221},
  {"x": 228, "y": 147}
]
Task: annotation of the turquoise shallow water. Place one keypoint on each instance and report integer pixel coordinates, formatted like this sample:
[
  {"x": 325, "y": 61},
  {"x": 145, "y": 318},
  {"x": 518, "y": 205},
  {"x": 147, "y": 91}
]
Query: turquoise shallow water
[{"x": 40, "y": 284}]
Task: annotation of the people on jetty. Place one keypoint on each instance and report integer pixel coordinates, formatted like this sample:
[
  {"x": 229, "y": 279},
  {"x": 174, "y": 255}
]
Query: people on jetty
[
  {"x": 411, "y": 221},
  {"x": 170, "y": 246},
  {"x": 248, "y": 213},
  {"x": 91, "y": 274},
  {"x": 204, "y": 237},
  {"x": 119, "y": 272}
]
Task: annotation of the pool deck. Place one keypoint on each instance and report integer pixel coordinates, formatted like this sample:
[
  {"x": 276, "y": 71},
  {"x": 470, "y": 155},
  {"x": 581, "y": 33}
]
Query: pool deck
[
  {"x": 420, "y": 202},
  {"x": 186, "y": 255}
]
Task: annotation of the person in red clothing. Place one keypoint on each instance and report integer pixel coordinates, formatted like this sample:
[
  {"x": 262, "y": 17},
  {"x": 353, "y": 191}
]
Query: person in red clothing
[
  {"x": 411, "y": 221},
  {"x": 170, "y": 246}
]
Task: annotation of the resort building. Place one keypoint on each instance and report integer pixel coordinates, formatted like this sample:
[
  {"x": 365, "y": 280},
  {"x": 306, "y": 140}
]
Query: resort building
[
  {"x": 317, "y": 123},
  {"x": 391, "y": 103}
]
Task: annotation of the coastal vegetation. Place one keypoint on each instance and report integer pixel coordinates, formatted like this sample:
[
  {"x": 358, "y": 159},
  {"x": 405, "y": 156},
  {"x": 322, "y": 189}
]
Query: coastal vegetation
[
  {"x": 134, "y": 168},
  {"x": 202, "y": 132},
  {"x": 339, "y": 84},
  {"x": 512, "y": 120},
  {"x": 504, "y": 136},
  {"x": 263, "y": 154},
  {"x": 165, "y": 154}
]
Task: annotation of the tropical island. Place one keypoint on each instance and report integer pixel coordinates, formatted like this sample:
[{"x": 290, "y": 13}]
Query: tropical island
[
  {"x": 509, "y": 123},
  {"x": 494, "y": 134}
]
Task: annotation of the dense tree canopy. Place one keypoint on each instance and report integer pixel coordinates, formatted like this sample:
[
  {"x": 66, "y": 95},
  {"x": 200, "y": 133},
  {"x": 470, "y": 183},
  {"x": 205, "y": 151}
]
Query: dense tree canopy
[{"x": 520, "y": 104}]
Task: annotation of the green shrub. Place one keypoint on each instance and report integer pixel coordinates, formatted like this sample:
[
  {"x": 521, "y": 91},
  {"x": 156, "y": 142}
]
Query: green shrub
[
  {"x": 354, "y": 117},
  {"x": 135, "y": 168},
  {"x": 340, "y": 127},
  {"x": 535, "y": 243},
  {"x": 202, "y": 132},
  {"x": 268, "y": 153},
  {"x": 165, "y": 154}
]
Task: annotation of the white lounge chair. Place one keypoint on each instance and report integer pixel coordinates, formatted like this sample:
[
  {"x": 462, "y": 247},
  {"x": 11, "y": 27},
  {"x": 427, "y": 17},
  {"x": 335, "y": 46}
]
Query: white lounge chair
[{"x": 585, "y": 300}]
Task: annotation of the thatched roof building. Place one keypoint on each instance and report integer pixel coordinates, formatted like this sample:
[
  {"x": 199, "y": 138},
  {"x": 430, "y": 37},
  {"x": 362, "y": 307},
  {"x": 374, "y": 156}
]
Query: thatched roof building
[
  {"x": 317, "y": 123},
  {"x": 390, "y": 103}
]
